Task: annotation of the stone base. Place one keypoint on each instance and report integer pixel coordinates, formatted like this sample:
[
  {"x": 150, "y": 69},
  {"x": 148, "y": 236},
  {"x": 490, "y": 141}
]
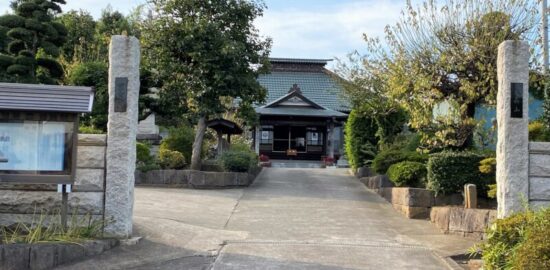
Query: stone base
[
  {"x": 363, "y": 172},
  {"x": 49, "y": 255},
  {"x": 197, "y": 179},
  {"x": 413, "y": 211},
  {"x": 465, "y": 222},
  {"x": 376, "y": 182}
]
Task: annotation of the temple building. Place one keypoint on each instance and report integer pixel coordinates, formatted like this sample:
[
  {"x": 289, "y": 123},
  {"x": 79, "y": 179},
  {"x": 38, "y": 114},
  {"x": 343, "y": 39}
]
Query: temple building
[{"x": 304, "y": 112}]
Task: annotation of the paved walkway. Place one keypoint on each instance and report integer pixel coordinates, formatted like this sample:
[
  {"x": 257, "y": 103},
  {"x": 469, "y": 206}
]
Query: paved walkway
[{"x": 288, "y": 219}]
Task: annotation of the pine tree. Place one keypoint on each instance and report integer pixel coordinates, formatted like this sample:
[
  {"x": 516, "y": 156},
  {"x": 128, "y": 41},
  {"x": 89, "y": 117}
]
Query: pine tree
[{"x": 30, "y": 42}]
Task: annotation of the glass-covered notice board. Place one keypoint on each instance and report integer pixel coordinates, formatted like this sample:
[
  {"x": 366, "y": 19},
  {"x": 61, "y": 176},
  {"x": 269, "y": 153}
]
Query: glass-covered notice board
[{"x": 37, "y": 147}]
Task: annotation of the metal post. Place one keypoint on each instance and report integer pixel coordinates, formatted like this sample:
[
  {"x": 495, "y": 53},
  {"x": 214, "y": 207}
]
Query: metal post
[{"x": 64, "y": 206}]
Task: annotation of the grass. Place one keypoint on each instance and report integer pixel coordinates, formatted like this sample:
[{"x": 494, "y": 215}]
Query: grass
[{"x": 48, "y": 228}]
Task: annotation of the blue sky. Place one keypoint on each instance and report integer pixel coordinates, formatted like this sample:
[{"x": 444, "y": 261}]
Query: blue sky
[{"x": 299, "y": 28}]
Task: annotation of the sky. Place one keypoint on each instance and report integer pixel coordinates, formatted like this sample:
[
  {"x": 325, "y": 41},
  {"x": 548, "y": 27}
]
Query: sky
[{"x": 299, "y": 28}]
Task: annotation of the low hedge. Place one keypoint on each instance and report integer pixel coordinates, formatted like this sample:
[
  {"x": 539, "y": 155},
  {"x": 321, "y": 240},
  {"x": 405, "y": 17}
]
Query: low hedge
[
  {"x": 519, "y": 241},
  {"x": 448, "y": 172},
  {"x": 169, "y": 159},
  {"x": 408, "y": 174},
  {"x": 238, "y": 161},
  {"x": 385, "y": 159}
]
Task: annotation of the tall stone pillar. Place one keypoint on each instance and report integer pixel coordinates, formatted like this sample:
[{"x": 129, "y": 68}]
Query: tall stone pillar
[
  {"x": 513, "y": 119},
  {"x": 124, "y": 57}
]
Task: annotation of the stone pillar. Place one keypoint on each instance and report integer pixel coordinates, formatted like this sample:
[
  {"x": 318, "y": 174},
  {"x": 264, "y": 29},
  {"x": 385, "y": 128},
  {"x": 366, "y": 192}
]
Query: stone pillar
[
  {"x": 512, "y": 118},
  {"x": 124, "y": 57}
]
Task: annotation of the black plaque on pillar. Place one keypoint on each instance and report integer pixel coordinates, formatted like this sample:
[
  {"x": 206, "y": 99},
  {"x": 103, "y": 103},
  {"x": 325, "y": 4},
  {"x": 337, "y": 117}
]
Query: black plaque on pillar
[
  {"x": 121, "y": 94},
  {"x": 516, "y": 101}
]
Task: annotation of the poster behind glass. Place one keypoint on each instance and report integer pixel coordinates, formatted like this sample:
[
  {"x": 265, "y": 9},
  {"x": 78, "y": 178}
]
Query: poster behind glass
[{"x": 33, "y": 146}]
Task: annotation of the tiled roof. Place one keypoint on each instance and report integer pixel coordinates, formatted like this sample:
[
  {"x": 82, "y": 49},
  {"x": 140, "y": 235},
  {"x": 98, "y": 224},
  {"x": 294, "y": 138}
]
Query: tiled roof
[
  {"x": 50, "y": 98},
  {"x": 316, "y": 86},
  {"x": 311, "y": 112},
  {"x": 299, "y": 60}
]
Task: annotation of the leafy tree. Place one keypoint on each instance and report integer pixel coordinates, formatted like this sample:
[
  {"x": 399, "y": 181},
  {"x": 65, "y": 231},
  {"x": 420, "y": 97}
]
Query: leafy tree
[
  {"x": 80, "y": 36},
  {"x": 446, "y": 52},
  {"x": 112, "y": 23},
  {"x": 96, "y": 74},
  {"x": 33, "y": 39},
  {"x": 209, "y": 53}
]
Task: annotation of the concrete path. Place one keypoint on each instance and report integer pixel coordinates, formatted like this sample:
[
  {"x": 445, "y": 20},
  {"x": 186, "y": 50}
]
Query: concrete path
[{"x": 288, "y": 219}]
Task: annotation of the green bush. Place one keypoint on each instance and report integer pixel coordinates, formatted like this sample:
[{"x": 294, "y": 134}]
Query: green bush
[
  {"x": 538, "y": 132},
  {"x": 169, "y": 159},
  {"x": 143, "y": 153},
  {"x": 89, "y": 130},
  {"x": 360, "y": 138},
  {"x": 386, "y": 158},
  {"x": 448, "y": 172},
  {"x": 238, "y": 161},
  {"x": 180, "y": 139},
  {"x": 519, "y": 241},
  {"x": 408, "y": 174},
  {"x": 488, "y": 168}
]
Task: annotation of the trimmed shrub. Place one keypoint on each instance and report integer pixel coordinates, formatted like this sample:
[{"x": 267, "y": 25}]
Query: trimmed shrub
[
  {"x": 519, "y": 241},
  {"x": 180, "y": 139},
  {"x": 90, "y": 130},
  {"x": 143, "y": 153},
  {"x": 238, "y": 161},
  {"x": 538, "y": 132},
  {"x": 360, "y": 138},
  {"x": 386, "y": 158},
  {"x": 488, "y": 168},
  {"x": 408, "y": 174},
  {"x": 448, "y": 172},
  {"x": 169, "y": 159}
]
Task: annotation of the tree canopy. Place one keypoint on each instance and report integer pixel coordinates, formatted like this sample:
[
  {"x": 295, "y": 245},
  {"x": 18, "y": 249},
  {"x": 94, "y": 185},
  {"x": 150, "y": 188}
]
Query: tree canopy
[
  {"x": 442, "y": 53},
  {"x": 208, "y": 55},
  {"x": 30, "y": 42}
]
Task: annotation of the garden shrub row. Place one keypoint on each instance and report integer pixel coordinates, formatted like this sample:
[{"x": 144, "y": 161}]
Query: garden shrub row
[
  {"x": 520, "y": 241},
  {"x": 448, "y": 172},
  {"x": 239, "y": 161},
  {"x": 408, "y": 174},
  {"x": 385, "y": 159}
]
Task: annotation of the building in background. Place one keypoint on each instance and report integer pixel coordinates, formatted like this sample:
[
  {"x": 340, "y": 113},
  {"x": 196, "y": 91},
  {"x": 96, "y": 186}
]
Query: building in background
[{"x": 304, "y": 113}]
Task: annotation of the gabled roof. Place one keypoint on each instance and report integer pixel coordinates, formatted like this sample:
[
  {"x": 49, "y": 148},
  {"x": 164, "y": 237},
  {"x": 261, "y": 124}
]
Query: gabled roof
[
  {"x": 300, "y": 60},
  {"x": 318, "y": 87},
  {"x": 295, "y": 92},
  {"x": 299, "y": 105},
  {"x": 49, "y": 98}
]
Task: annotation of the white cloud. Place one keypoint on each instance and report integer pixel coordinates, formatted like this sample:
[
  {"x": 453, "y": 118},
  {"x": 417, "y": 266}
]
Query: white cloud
[{"x": 329, "y": 31}]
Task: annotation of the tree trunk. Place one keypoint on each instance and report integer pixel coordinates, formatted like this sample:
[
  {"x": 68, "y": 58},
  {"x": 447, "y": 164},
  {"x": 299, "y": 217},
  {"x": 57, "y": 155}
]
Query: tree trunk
[
  {"x": 197, "y": 144},
  {"x": 470, "y": 113}
]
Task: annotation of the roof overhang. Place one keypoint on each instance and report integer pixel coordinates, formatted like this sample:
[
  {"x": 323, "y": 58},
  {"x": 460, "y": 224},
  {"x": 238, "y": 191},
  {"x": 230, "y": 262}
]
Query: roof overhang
[
  {"x": 224, "y": 126},
  {"x": 47, "y": 98}
]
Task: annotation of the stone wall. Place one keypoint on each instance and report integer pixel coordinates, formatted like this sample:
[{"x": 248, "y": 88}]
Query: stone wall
[
  {"x": 196, "y": 179},
  {"x": 539, "y": 174},
  {"x": 49, "y": 255},
  {"x": 461, "y": 221},
  {"x": 22, "y": 202}
]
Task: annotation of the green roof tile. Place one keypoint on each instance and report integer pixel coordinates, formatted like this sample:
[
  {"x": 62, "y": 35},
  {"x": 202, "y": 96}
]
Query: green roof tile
[{"x": 319, "y": 87}]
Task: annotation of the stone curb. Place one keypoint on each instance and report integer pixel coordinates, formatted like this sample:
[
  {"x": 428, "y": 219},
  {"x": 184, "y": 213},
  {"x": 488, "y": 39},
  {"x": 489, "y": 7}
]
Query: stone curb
[{"x": 43, "y": 256}]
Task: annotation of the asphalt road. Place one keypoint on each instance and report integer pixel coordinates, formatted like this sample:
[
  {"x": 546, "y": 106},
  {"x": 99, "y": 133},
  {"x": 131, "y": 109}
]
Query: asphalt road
[{"x": 288, "y": 219}]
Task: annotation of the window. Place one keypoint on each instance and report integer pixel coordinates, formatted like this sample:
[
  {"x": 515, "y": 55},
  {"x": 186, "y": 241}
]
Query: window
[
  {"x": 314, "y": 138},
  {"x": 266, "y": 135}
]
